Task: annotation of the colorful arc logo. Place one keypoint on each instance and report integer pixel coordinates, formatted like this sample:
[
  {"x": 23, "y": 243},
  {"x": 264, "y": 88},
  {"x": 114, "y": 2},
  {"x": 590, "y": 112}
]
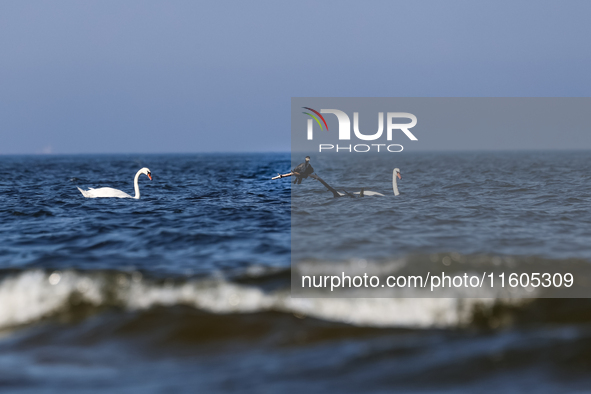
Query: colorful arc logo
[{"x": 315, "y": 118}]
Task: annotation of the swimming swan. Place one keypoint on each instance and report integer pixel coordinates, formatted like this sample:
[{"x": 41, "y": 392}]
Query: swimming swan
[
  {"x": 395, "y": 173},
  {"x": 110, "y": 192}
]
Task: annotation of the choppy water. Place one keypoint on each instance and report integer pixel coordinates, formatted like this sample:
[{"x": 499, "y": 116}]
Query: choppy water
[
  {"x": 187, "y": 289},
  {"x": 199, "y": 214},
  {"x": 497, "y": 203}
]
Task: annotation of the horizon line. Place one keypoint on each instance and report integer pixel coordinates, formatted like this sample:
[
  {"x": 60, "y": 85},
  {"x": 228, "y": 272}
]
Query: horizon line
[{"x": 41, "y": 154}]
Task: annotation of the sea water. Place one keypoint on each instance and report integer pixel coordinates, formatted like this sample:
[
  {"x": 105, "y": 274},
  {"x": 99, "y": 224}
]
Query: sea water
[{"x": 187, "y": 288}]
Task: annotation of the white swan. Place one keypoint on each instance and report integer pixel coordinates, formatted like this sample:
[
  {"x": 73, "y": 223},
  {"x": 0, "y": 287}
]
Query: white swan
[
  {"x": 110, "y": 192},
  {"x": 395, "y": 173}
]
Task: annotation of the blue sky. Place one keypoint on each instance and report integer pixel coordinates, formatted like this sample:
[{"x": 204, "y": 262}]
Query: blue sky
[{"x": 189, "y": 76}]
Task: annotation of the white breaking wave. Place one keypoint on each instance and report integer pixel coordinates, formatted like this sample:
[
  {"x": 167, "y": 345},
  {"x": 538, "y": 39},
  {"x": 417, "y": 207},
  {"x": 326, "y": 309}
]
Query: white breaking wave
[{"x": 32, "y": 295}]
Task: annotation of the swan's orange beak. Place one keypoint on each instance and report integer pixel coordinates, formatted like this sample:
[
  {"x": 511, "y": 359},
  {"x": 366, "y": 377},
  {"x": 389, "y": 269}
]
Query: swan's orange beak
[
  {"x": 398, "y": 175},
  {"x": 150, "y": 176}
]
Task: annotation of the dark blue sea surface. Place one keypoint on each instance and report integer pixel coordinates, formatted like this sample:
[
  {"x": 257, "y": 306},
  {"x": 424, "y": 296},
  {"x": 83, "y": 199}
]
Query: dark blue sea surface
[
  {"x": 188, "y": 288},
  {"x": 199, "y": 214},
  {"x": 506, "y": 203}
]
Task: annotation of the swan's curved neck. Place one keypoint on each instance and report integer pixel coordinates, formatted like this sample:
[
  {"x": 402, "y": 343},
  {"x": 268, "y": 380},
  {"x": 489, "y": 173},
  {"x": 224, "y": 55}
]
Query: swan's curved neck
[
  {"x": 136, "y": 186},
  {"x": 394, "y": 184}
]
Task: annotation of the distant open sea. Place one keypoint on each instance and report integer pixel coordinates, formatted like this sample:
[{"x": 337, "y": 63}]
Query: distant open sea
[{"x": 188, "y": 288}]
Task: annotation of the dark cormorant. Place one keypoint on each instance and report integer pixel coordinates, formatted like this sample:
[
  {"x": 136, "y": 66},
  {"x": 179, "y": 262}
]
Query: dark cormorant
[{"x": 302, "y": 171}]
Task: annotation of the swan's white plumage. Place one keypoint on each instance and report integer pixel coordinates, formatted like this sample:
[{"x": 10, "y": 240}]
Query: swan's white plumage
[
  {"x": 395, "y": 173},
  {"x": 365, "y": 193},
  {"x": 104, "y": 192},
  {"x": 370, "y": 193},
  {"x": 115, "y": 193}
]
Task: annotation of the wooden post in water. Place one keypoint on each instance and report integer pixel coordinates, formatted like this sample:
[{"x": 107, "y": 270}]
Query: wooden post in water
[
  {"x": 314, "y": 176},
  {"x": 282, "y": 176},
  {"x": 330, "y": 188}
]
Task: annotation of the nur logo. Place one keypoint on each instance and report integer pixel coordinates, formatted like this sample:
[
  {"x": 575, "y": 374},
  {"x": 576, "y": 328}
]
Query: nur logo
[
  {"x": 345, "y": 128},
  {"x": 345, "y": 124}
]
